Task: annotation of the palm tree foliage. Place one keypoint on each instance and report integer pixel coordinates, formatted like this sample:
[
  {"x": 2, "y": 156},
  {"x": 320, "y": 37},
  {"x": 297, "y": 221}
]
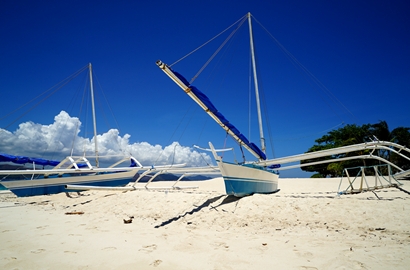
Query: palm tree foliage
[{"x": 354, "y": 134}]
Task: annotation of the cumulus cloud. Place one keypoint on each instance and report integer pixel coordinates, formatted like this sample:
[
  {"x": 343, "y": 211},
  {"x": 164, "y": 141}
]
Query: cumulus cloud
[{"x": 61, "y": 139}]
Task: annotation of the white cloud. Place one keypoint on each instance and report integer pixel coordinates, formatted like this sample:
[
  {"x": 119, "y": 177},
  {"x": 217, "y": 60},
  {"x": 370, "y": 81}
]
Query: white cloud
[{"x": 55, "y": 141}]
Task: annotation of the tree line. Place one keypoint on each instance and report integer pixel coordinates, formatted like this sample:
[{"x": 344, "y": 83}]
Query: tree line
[{"x": 354, "y": 134}]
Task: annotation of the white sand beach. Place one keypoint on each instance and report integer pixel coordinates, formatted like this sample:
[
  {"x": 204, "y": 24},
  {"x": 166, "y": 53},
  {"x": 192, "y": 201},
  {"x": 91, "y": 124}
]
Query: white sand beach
[{"x": 304, "y": 226}]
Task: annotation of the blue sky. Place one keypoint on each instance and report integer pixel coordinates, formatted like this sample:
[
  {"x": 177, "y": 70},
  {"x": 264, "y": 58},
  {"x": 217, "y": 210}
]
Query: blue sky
[{"x": 358, "y": 49}]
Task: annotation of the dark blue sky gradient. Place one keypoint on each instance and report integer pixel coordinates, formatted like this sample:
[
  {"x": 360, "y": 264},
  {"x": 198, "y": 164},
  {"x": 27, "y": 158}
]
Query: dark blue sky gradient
[{"x": 358, "y": 49}]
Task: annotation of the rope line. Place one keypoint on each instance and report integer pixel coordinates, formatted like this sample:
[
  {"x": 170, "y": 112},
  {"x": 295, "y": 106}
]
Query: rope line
[
  {"x": 304, "y": 69},
  {"x": 207, "y": 42},
  {"x": 63, "y": 83}
]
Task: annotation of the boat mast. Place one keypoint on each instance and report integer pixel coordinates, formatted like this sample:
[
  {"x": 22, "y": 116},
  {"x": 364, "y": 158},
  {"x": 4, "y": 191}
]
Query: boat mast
[
  {"x": 94, "y": 119},
  {"x": 255, "y": 78}
]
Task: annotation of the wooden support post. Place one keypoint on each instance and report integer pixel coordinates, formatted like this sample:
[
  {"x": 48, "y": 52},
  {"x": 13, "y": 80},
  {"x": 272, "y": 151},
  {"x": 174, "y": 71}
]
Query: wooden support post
[{"x": 361, "y": 179}]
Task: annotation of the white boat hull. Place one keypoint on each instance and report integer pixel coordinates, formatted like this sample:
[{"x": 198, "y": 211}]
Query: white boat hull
[
  {"x": 243, "y": 180},
  {"x": 55, "y": 184}
]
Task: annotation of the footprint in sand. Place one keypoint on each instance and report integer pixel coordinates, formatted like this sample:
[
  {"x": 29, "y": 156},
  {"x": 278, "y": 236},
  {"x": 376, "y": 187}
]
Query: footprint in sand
[
  {"x": 72, "y": 252},
  {"x": 109, "y": 248},
  {"x": 220, "y": 244},
  {"x": 149, "y": 248},
  {"x": 156, "y": 263},
  {"x": 38, "y": 251},
  {"x": 304, "y": 254},
  {"x": 359, "y": 265}
]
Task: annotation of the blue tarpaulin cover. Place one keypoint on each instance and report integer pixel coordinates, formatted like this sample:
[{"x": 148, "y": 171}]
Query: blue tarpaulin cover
[
  {"x": 205, "y": 100},
  {"x": 24, "y": 160}
]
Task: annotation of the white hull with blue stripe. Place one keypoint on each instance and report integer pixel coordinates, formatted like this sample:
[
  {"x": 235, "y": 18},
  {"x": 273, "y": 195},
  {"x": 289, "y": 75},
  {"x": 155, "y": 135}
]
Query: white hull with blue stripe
[
  {"x": 55, "y": 184},
  {"x": 247, "y": 179}
]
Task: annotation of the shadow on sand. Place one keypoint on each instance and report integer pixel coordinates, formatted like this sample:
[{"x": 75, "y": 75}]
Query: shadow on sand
[{"x": 228, "y": 199}]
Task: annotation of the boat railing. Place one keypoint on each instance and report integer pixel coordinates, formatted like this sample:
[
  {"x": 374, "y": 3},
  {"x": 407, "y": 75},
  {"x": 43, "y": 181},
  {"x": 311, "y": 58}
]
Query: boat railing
[
  {"x": 151, "y": 174},
  {"x": 82, "y": 163},
  {"x": 380, "y": 174}
]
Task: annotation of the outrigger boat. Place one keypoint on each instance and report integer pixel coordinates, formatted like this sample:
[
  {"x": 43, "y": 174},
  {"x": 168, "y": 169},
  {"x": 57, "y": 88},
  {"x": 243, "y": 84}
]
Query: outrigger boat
[
  {"x": 76, "y": 172},
  {"x": 73, "y": 170},
  {"x": 261, "y": 176},
  {"x": 240, "y": 179}
]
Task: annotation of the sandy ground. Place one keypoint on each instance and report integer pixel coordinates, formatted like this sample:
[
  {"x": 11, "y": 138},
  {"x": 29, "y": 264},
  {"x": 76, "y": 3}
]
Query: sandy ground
[{"x": 306, "y": 225}]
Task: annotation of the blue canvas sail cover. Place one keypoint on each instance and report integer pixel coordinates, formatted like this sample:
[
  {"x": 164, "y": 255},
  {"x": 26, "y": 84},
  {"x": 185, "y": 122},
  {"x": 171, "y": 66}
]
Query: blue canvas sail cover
[
  {"x": 24, "y": 160},
  {"x": 182, "y": 78},
  {"x": 204, "y": 99},
  {"x": 207, "y": 102}
]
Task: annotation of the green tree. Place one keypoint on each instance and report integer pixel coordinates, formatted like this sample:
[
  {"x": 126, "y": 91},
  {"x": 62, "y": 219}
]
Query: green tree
[
  {"x": 401, "y": 135},
  {"x": 347, "y": 135},
  {"x": 353, "y": 134}
]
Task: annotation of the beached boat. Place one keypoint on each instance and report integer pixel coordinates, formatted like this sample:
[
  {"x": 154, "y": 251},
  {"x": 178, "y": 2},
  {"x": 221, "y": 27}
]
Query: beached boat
[
  {"x": 261, "y": 175},
  {"x": 73, "y": 170},
  {"x": 240, "y": 179}
]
